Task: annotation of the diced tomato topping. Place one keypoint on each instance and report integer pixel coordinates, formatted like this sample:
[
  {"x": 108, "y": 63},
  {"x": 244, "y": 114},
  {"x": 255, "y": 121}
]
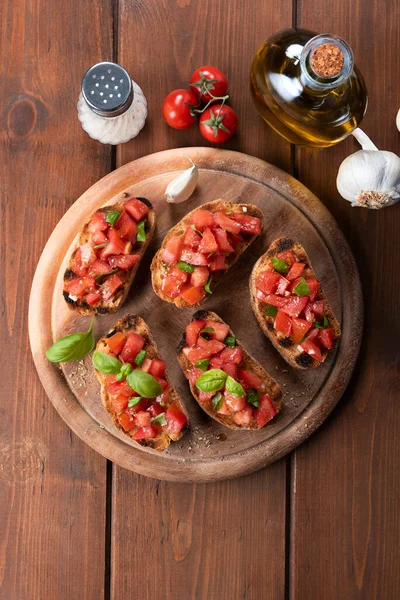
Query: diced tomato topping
[
  {"x": 155, "y": 409},
  {"x": 313, "y": 284},
  {"x": 191, "y": 239},
  {"x": 202, "y": 219},
  {"x": 163, "y": 382},
  {"x": 110, "y": 286},
  {"x": 308, "y": 313},
  {"x": 144, "y": 433},
  {"x": 127, "y": 421},
  {"x": 119, "y": 403},
  {"x": 325, "y": 336},
  {"x": 99, "y": 237},
  {"x": 157, "y": 368},
  {"x": 293, "y": 305},
  {"x": 93, "y": 297},
  {"x": 146, "y": 364},
  {"x": 283, "y": 284},
  {"x": 99, "y": 267},
  {"x": 194, "y": 374},
  {"x": 194, "y": 258},
  {"x": 224, "y": 409},
  {"x": 226, "y": 223},
  {"x": 81, "y": 286},
  {"x": 115, "y": 245},
  {"x": 234, "y": 403},
  {"x": 220, "y": 332},
  {"x": 265, "y": 412},
  {"x": 171, "y": 287},
  {"x": 243, "y": 417},
  {"x": 233, "y": 355},
  {"x": 143, "y": 418},
  {"x": 218, "y": 263},
  {"x": 192, "y": 332},
  {"x": 119, "y": 387},
  {"x": 299, "y": 329},
  {"x": 172, "y": 250},
  {"x": 133, "y": 345},
  {"x": 248, "y": 224},
  {"x": 124, "y": 262},
  {"x": 98, "y": 222},
  {"x": 198, "y": 354},
  {"x": 318, "y": 307},
  {"x": 311, "y": 349},
  {"x": 214, "y": 346},
  {"x": 216, "y": 362},
  {"x": 313, "y": 334},
  {"x": 177, "y": 274},
  {"x": 222, "y": 240},
  {"x": 136, "y": 208},
  {"x": 252, "y": 380},
  {"x": 205, "y": 396},
  {"x": 231, "y": 369},
  {"x": 88, "y": 255},
  {"x": 288, "y": 257},
  {"x": 199, "y": 277},
  {"x": 116, "y": 342},
  {"x": 235, "y": 240},
  {"x": 76, "y": 264},
  {"x": 283, "y": 323},
  {"x": 176, "y": 418},
  {"x": 296, "y": 270},
  {"x": 192, "y": 295},
  {"x": 126, "y": 227},
  {"x": 277, "y": 301},
  {"x": 208, "y": 243},
  {"x": 267, "y": 281}
]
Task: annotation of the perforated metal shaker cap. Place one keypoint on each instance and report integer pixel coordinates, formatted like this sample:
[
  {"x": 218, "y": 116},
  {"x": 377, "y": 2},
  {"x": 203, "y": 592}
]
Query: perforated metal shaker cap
[{"x": 107, "y": 89}]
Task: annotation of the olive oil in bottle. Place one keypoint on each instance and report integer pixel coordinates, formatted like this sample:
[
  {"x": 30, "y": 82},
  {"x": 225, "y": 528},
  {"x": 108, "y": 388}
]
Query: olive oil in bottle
[{"x": 307, "y": 88}]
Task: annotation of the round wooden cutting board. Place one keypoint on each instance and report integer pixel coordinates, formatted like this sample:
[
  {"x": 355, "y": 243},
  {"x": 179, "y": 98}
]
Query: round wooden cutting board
[{"x": 208, "y": 451}]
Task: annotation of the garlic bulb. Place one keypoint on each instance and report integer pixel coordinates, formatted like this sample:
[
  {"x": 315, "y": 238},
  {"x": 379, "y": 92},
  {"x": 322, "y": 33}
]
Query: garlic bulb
[
  {"x": 369, "y": 178},
  {"x": 182, "y": 187}
]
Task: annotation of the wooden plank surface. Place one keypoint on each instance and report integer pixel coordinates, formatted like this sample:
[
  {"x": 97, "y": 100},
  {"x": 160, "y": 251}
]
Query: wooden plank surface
[
  {"x": 224, "y": 540},
  {"x": 345, "y": 485},
  {"x": 52, "y": 486}
]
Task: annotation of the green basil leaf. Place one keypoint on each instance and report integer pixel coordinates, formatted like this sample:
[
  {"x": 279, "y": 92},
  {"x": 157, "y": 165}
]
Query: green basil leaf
[
  {"x": 141, "y": 234},
  {"x": 270, "y": 310},
  {"x": 211, "y": 381},
  {"x": 124, "y": 372},
  {"x": 101, "y": 245},
  {"x": 217, "y": 401},
  {"x": 202, "y": 364},
  {"x": 302, "y": 288},
  {"x": 72, "y": 347},
  {"x": 144, "y": 384},
  {"x": 197, "y": 231},
  {"x": 159, "y": 420},
  {"x": 207, "y": 286},
  {"x": 100, "y": 278},
  {"x": 140, "y": 358},
  {"x": 252, "y": 397},
  {"x": 106, "y": 364},
  {"x": 112, "y": 217},
  {"x": 234, "y": 387},
  {"x": 134, "y": 401},
  {"x": 185, "y": 267},
  {"x": 230, "y": 341},
  {"x": 323, "y": 325},
  {"x": 279, "y": 265},
  {"x": 207, "y": 330}
]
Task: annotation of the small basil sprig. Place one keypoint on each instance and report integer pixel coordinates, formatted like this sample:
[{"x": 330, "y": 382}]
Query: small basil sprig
[
  {"x": 112, "y": 217},
  {"x": 144, "y": 384},
  {"x": 159, "y": 420},
  {"x": 234, "y": 387},
  {"x": 195, "y": 229},
  {"x": 252, "y": 397},
  {"x": 100, "y": 278},
  {"x": 279, "y": 265},
  {"x": 106, "y": 364},
  {"x": 207, "y": 286},
  {"x": 202, "y": 364},
  {"x": 217, "y": 401},
  {"x": 206, "y": 330},
  {"x": 270, "y": 310},
  {"x": 134, "y": 401},
  {"x": 211, "y": 381},
  {"x": 184, "y": 266},
  {"x": 72, "y": 347},
  {"x": 124, "y": 372},
  {"x": 141, "y": 234},
  {"x": 140, "y": 358},
  {"x": 230, "y": 341},
  {"x": 302, "y": 288},
  {"x": 323, "y": 325}
]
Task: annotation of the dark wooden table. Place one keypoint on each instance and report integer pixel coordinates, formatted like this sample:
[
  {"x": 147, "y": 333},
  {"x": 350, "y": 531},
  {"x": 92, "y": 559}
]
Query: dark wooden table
[{"x": 322, "y": 523}]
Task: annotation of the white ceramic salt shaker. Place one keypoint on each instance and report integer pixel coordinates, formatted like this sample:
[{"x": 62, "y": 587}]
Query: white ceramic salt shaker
[{"x": 111, "y": 107}]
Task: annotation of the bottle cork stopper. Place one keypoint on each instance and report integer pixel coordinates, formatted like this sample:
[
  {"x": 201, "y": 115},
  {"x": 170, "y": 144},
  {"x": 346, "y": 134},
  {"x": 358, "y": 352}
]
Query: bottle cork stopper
[{"x": 327, "y": 60}]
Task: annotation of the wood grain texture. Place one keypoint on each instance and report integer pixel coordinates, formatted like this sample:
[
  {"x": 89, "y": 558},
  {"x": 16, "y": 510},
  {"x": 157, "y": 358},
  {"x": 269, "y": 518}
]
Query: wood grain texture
[
  {"x": 186, "y": 34},
  {"x": 345, "y": 486},
  {"x": 52, "y": 486}
]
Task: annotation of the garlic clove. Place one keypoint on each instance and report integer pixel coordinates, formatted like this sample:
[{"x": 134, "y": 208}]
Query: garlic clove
[{"x": 182, "y": 187}]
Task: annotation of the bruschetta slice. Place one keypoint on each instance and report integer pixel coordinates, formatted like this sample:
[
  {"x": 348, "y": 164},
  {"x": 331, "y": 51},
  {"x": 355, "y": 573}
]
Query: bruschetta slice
[
  {"x": 103, "y": 265},
  {"x": 137, "y": 393},
  {"x": 228, "y": 383},
  {"x": 197, "y": 251},
  {"x": 290, "y": 306}
]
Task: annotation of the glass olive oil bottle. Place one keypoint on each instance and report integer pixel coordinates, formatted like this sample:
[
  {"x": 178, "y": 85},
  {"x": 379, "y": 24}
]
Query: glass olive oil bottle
[{"x": 307, "y": 88}]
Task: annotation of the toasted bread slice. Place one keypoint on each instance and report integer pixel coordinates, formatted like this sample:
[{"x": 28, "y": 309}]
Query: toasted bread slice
[
  {"x": 125, "y": 325},
  {"x": 269, "y": 385},
  {"x": 159, "y": 269},
  {"x": 286, "y": 347},
  {"x": 105, "y": 307}
]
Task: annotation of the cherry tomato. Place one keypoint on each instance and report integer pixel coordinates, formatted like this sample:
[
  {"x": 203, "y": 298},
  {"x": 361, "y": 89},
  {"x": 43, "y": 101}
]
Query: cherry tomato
[
  {"x": 218, "y": 123},
  {"x": 207, "y": 82},
  {"x": 175, "y": 110}
]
